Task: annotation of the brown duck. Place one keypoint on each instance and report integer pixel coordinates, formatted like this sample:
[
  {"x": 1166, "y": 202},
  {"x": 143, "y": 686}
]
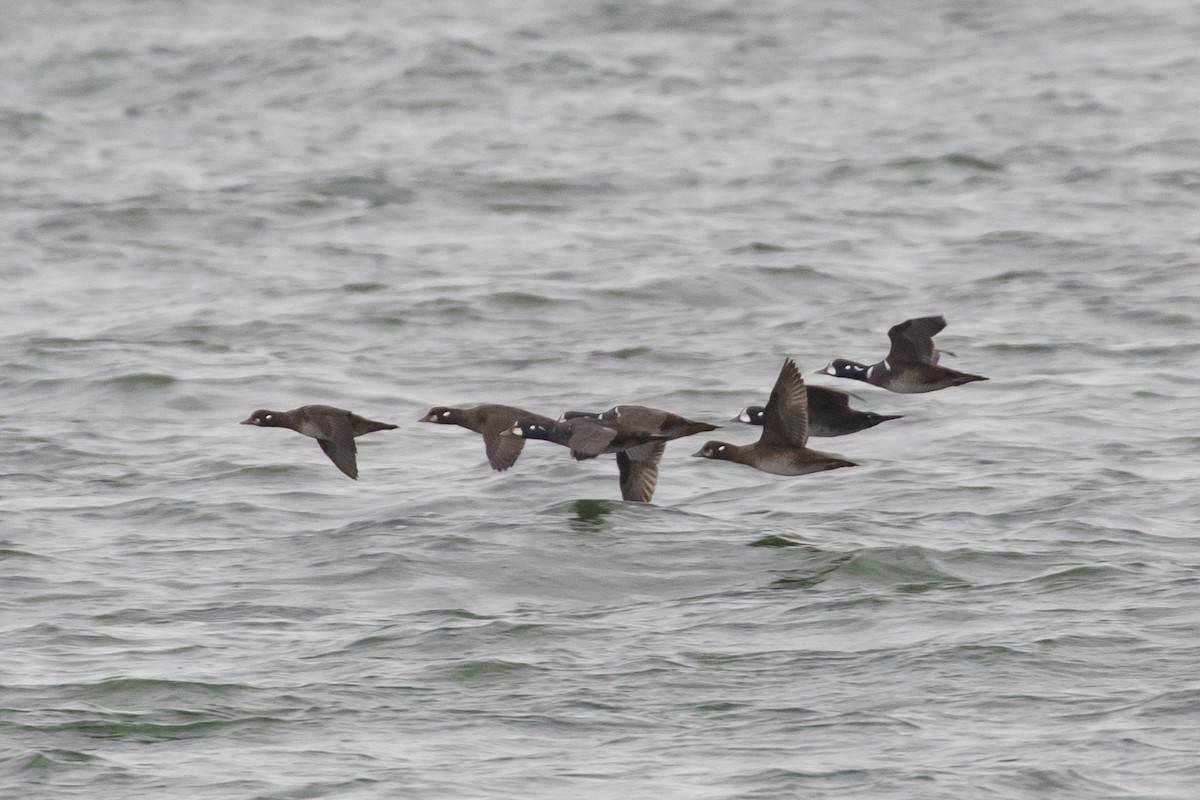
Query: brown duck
[
  {"x": 781, "y": 449},
  {"x": 333, "y": 428}
]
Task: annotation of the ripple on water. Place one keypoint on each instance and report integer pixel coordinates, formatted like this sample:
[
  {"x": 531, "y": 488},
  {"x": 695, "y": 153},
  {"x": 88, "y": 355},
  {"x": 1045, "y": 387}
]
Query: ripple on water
[{"x": 563, "y": 206}]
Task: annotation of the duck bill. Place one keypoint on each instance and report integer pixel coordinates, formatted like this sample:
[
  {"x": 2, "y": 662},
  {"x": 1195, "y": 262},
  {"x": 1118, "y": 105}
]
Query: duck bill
[{"x": 247, "y": 422}]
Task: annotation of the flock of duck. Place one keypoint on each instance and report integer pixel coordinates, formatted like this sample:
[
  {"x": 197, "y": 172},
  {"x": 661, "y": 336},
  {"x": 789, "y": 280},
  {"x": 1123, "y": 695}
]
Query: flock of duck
[{"x": 638, "y": 434}]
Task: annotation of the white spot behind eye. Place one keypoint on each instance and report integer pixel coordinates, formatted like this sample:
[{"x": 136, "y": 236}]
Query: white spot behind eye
[
  {"x": 268, "y": 416},
  {"x": 886, "y": 365},
  {"x": 721, "y": 449},
  {"x": 445, "y": 413}
]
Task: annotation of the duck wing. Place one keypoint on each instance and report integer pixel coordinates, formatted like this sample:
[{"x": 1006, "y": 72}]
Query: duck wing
[
  {"x": 502, "y": 451},
  {"x": 337, "y": 442},
  {"x": 638, "y": 468},
  {"x": 824, "y": 399},
  {"x": 912, "y": 340},
  {"x": 785, "y": 421},
  {"x": 587, "y": 437}
]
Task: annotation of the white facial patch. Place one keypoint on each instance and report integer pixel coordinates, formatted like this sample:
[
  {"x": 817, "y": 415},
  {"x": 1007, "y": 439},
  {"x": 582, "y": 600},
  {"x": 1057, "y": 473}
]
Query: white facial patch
[
  {"x": 744, "y": 416},
  {"x": 871, "y": 369},
  {"x": 516, "y": 431},
  {"x": 886, "y": 365}
]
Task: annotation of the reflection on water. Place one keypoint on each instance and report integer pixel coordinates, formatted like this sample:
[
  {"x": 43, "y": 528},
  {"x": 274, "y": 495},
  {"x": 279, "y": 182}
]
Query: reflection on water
[{"x": 592, "y": 512}]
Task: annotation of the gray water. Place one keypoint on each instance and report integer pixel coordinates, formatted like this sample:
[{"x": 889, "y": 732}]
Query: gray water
[{"x": 214, "y": 207}]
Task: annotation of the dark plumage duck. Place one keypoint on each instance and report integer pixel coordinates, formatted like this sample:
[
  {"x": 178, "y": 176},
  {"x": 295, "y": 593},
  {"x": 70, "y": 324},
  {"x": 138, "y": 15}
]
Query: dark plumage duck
[
  {"x": 911, "y": 366},
  {"x": 653, "y": 420},
  {"x": 781, "y": 448},
  {"x": 490, "y": 420},
  {"x": 333, "y": 428},
  {"x": 829, "y": 414},
  {"x": 637, "y": 437}
]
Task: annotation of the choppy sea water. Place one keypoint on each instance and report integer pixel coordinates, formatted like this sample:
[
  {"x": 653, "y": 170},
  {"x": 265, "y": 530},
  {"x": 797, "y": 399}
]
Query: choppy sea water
[{"x": 211, "y": 208}]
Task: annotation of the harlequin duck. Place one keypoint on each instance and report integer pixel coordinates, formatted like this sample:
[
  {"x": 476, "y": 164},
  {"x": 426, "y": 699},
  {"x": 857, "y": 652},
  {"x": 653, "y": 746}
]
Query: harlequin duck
[
  {"x": 781, "y": 448},
  {"x": 333, "y": 428},
  {"x": 638, "y": 450},
  {"x": 911, "y": 366},
  {"x": 653, "y": 420},
  {"x": 829, "y": 414},
  {"x": 491, "y": 420}
]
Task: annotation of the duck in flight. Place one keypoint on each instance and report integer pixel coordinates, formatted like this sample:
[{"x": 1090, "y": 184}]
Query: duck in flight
[
  {"x": 637, "y": 434},
  {"x": 333, "y": 428},
  {"x": 491, "y": 420},
  {"x": 782, "y": 448},
  {"x": 829, "y": 414},
  {"x": 911, "y": 366}
]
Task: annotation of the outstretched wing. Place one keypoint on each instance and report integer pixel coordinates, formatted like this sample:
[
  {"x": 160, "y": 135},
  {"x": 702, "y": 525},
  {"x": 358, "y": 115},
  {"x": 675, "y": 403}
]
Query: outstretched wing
[
  {"x": 589, "y": 437},
  {"x": 502, "y": 451},
  {"x": 912, "y": 340},
  {"x": 338, "y": 444},
  {"x": 638, "y": 468},
  {"x": 785, "y": 421},
  {"x": 822, "y": 399}
]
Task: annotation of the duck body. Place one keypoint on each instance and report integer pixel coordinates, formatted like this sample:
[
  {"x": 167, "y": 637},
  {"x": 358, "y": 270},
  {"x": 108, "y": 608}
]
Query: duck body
[
  {"x": 639, "y": 450},
  {"x": 334, "y": 429},
  {"x": 586, "y": 436},
  {"x": 653, "y": 420},
  {"x": 911, "y": 366},
  {"x": 782, "y": 448},
  {"x": 829, "y": 414},
  {"x": 776, "y": 461},
  {"x": 490, "y": 420}
]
